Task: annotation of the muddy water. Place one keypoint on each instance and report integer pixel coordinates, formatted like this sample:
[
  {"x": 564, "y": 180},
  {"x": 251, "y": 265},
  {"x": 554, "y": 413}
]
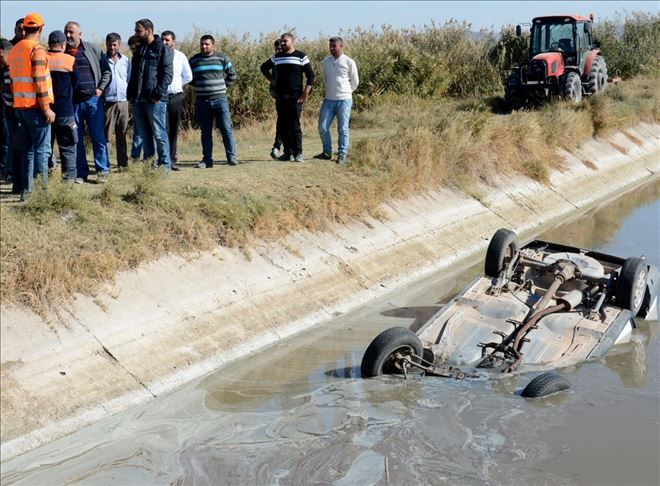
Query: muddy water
[{"x": 298, "y": 413}]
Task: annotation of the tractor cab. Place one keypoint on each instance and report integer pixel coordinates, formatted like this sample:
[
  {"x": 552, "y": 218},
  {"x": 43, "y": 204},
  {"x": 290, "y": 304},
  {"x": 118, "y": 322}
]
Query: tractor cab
[{"x": 565, "y": 39}]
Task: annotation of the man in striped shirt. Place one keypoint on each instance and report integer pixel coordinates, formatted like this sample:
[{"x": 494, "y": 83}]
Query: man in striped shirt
[
  {"x": 213, "y": 72},
  {"x": 288, "y": 67}
]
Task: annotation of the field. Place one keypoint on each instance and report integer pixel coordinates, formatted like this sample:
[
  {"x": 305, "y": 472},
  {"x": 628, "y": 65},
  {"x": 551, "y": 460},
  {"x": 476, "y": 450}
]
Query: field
[{"x": 414, "y": 131}]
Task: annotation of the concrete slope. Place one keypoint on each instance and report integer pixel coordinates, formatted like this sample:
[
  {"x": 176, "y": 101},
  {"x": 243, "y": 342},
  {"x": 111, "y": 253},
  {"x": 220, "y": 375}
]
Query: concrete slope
[{"x": 181, "y": 317}]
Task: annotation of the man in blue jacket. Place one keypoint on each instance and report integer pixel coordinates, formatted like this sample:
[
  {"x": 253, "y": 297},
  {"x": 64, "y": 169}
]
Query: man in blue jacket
[{"x": 151, "y": 74}]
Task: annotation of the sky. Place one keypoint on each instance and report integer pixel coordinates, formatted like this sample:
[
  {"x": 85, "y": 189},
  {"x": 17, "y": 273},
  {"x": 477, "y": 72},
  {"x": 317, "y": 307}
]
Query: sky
[{"x": 310, "y": 18}]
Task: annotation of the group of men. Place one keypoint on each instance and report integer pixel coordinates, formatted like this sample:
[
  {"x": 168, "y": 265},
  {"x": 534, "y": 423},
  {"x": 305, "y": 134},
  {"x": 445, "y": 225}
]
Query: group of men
[{"x": 74, "y": 88}]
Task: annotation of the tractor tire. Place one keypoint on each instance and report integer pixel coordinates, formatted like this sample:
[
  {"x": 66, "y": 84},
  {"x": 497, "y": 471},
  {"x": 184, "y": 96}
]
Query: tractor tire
[
  {"x": 513, "y": 92},
  {"x": 573, "y": 88},
  {"x": 502, "y": 248},
  {"x": 602, "y": 75},
  {"x": 545, "y": 384},
  {"x": 379, "y": 360},
  {"x": 594, "y": 77},
  {"x": 631, "y": 289}
]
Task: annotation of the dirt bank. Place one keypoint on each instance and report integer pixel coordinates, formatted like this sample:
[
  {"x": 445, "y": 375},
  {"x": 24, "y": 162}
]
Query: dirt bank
[{"x": 174, "y": 320}]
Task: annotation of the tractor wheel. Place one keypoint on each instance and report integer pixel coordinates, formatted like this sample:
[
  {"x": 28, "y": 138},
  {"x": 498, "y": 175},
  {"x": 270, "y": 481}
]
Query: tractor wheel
[
  {"x": 513, "y": 93},
  {"x": 573, "y": 88},
  {"x": 602, "y": 75},
  {"x": 594, "y": 78}
]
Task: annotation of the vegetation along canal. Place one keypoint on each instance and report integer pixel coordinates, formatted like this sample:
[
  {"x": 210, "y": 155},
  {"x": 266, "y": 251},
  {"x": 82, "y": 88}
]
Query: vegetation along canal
[{"x": 298, "y": 412}]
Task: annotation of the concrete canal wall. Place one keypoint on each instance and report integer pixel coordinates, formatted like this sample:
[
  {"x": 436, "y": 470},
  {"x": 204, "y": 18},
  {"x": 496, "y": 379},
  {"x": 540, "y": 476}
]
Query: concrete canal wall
[{"x": 178, "y": 318}]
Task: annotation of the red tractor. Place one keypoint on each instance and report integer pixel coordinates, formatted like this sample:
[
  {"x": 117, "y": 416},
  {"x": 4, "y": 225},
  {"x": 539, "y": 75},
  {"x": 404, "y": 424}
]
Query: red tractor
[{"x": 565, "y": 61}]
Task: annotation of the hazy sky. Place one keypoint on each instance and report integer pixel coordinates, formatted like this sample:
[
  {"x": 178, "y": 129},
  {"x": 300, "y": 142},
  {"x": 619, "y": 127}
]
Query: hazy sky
[{"x": 310, "y": 19}]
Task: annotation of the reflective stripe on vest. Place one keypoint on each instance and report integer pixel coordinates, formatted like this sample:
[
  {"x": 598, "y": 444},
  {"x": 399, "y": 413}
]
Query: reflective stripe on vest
[
  {"x": 60, "y": 62},
  {"x": 29, "y": 90}
]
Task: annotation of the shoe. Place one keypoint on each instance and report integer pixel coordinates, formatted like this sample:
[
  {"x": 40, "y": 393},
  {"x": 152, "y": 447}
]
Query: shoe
[
  {"x": 102, "y": 178},
  {"x": 205, "y": 165},
  {"x": 122, "y": 168},
  {"x": 298, "y": 158},
  {"x": 275, "y": 153},
  {"x": 341, "y": 159},
  {"x": 79, "y": 180},
  {"x": 24, "y": 196},
  {"x": 285, "y": 158},
  {"x": 233, "y": 162},
  {"x": 176, "y": 167},
  {"x": 323, "y": 156}
]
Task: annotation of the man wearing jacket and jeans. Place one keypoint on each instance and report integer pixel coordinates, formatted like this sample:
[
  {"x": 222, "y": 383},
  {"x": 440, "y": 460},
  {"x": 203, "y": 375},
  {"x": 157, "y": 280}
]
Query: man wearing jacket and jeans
[
  {"x": 151, "y": 74},
  {"x": 93, "y": 75}
]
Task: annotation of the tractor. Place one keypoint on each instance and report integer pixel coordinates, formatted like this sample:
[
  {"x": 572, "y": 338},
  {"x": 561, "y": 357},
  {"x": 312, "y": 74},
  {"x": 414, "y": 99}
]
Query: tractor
[{"x": 565, "y": 62}]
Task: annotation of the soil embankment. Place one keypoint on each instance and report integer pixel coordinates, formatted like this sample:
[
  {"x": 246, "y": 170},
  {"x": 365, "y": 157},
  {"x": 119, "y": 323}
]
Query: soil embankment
[{"x": 174, "y": 320}]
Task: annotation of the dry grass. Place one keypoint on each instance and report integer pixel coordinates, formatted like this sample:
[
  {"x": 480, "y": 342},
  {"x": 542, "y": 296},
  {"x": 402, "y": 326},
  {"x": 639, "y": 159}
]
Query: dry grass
[{"x": 72, "y": 239}]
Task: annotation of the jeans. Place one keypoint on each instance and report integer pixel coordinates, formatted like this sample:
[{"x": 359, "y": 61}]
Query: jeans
[
  {"x": 90, "y": 113},
  {"x": 329, "y": 110},
  {"x": 151, "y": 123},
  {"x": 288, "y": 123},
  {"x": 116, "y": 122},
  {"x": 34, "y": 136},
  {"x": 136, "y": 145},
  {"x": 207, "y": 111},
  {"x": 65, "y": 131}
]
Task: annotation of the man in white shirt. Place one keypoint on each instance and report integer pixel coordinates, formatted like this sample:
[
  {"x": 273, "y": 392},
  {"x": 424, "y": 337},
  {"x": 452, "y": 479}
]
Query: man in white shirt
[
  {"x": 181, "y": 76},
  {"x": 115, "y": 102},
  {"x": 341, "y": 79}
]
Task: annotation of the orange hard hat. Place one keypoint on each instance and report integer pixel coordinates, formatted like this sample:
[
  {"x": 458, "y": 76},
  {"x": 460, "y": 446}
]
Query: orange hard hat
[{"x": 33, "y": 20}]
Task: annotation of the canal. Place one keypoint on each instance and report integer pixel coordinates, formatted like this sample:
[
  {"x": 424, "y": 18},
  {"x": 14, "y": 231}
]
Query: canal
[{"x": 298, "y": 412}]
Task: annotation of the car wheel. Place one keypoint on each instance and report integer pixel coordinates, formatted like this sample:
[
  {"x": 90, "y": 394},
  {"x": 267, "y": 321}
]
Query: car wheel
[
  {"x": 632, "y": 285},
  {"x": 573, "y": 88},
  {"x": 545, "y": 384},
  {"x": 383, "y": 356},
  {"x": 502, "y": 248}
]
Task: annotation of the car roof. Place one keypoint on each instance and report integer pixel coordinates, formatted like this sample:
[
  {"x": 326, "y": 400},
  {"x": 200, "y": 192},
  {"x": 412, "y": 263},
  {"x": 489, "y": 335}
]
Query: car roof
[{"x": 574, "y": 17}]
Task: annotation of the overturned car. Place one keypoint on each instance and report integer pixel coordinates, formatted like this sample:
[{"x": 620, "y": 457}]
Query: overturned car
[{"x": 539, "y": 306}]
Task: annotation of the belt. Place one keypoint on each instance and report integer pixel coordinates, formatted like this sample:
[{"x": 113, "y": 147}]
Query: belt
[{"x": 172, "y": 95}]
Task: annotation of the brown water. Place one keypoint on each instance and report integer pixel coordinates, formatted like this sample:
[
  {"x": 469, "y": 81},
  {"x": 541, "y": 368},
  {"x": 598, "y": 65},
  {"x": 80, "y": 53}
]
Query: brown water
[{"x": 298, "y": 413}]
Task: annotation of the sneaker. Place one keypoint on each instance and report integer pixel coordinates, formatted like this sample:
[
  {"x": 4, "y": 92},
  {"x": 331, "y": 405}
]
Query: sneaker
[
  {"x": 298, "y": 158},
  {"x": 102, "y": 178},
  {"x": 205, "y": 165},
  {"x": 341, "y": 159},
  {"x": 285, "y": 158},
  {"x": 323, "y": 156},
  {"x": 232, "y": 162},
  {"x": 79, "y": 180},
  {"x": 176, "y": 167},
  {"x": 275, "y": 153}
]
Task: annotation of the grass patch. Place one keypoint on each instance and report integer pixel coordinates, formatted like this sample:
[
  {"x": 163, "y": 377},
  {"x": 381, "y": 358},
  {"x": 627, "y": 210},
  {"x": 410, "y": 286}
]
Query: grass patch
[{"x": 69, "y": 239}]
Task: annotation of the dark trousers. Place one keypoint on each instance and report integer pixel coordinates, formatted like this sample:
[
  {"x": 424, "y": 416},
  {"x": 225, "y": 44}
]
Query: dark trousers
[
  {"x": 288, "y": 123},
  {"x": 116, "y": 121},
  {"x": 9, "y": 151},
  {"x": 174, "y": 108},
  {"x": 65, "y": 131}
]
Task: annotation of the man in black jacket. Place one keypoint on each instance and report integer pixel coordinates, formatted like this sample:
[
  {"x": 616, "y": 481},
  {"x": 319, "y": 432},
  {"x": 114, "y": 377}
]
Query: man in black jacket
[{"x": 151, "y": 74}]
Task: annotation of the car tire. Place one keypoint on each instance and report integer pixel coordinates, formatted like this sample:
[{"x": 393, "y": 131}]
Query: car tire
[
  {"x": 573, "y": 88},
  {"x": 378, "y": 358},
  {"x": 545, "y": 384},
  {"x": 502, "y": 248},
  {"x": 631, "y": 288}
]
